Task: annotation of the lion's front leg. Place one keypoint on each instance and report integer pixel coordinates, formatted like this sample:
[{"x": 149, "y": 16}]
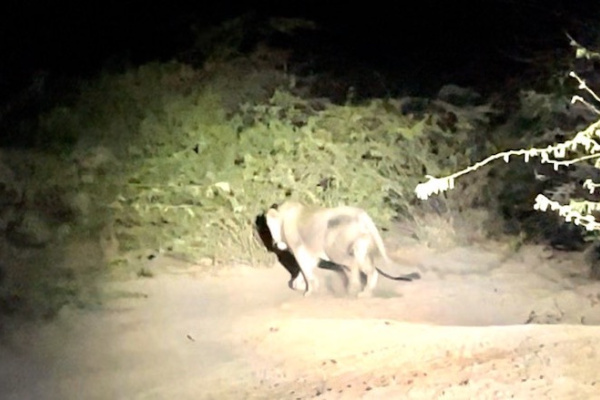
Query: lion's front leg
[
  {"x": 308, "y": 263},
  {"x": 298, "y": 283}
]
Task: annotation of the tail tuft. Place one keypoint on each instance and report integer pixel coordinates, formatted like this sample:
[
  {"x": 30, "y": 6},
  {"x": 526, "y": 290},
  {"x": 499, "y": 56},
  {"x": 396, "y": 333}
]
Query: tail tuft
[{"x": 408, "y": 277}]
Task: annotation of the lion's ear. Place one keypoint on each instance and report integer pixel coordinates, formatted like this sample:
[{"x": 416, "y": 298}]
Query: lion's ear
[{"x": 272, "y": 213}]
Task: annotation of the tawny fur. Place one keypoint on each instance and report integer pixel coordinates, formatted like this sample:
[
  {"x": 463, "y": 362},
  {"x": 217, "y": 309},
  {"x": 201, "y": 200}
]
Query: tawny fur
[{"x": 346, "y": 236}]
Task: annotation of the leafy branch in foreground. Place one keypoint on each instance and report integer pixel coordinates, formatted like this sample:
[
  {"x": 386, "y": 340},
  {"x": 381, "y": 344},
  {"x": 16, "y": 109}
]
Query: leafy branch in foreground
[{"x": 580, "y": 213}]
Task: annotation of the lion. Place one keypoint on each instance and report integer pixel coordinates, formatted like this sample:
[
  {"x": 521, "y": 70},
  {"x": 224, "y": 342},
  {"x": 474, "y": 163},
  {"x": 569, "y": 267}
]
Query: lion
[{"x": 344, "y": 236}]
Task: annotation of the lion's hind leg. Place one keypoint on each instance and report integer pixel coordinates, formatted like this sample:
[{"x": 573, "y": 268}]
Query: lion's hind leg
[
  {"x": 354, "y": 284},
  {"x": 363, "y": 264},
  {"x": 372, "y": 276}
]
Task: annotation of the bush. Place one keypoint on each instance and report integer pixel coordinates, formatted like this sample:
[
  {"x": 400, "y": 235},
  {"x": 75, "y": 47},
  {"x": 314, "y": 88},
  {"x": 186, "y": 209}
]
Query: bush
[{"x": 582, "y": 149}]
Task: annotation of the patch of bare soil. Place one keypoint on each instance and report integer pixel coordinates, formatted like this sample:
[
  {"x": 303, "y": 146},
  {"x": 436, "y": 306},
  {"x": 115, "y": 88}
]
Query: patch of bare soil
[{"x": 482, "y": 323}]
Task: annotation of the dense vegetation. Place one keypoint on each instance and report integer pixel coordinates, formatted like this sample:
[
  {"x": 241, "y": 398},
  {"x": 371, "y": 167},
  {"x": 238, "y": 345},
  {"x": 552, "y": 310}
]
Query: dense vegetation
[{"x": 179, "y": 158}]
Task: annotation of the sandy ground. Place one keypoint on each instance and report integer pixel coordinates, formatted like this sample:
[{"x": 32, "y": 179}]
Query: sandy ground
[{"x": 482, "y": 323}]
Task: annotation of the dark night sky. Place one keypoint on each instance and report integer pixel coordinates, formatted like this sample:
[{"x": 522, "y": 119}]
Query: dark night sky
[{"x": 80, "y": 37}]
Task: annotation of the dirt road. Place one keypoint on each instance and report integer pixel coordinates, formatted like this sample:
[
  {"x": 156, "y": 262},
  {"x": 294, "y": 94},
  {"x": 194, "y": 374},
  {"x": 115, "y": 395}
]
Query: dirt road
[{"x": 482, "y": 324}]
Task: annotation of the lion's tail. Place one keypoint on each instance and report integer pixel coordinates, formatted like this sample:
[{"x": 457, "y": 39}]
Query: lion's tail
[
  {"x": 408, "y": 277},
  {"x": 374, "y": 232}
]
